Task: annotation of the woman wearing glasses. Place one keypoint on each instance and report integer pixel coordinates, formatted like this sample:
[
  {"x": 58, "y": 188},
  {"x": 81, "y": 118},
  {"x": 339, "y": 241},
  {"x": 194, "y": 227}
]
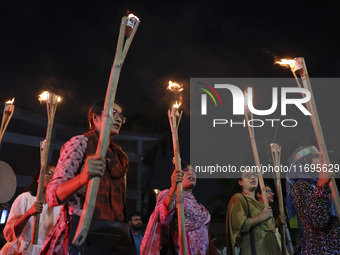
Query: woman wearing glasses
[
  {"x": 19, "y": 226},
  {"x": 281, "y": 219},
  {"x": 77, "y": 164},
  {"x": 247, "y": 220}
]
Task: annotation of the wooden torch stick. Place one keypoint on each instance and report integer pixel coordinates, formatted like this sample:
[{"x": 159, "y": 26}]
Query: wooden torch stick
[
  {"x": 301, "y": 67},
  {"x": 174, "y": 119},
  {"x": 6, "y": 117},
  {"x": 92, "y": 188},
  {"x": 51, "y": 102},
  {"x": 42, "y": 146},
  {"x": 248, "y": 113},
  {"x": 276, "y": 155}
]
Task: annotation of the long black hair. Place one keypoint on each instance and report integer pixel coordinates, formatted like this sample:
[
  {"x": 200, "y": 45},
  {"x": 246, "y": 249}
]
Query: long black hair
[
  {"x": 184, "y": 165},
  {"x": 97, "y": 108}
]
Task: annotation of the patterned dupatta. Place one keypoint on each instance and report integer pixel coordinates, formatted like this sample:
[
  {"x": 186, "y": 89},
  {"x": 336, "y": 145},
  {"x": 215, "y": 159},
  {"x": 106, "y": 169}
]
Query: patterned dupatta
[{"x": 110, "y": 204}]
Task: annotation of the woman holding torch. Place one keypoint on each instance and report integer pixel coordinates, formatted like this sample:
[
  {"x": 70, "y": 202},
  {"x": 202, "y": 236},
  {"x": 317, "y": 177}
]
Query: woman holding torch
[
  {"x": 19, "y": 227},
  {"x": 76, "y": 166},
  {"x": 281, "y": 219},
  {"x": 309, "y": 197},
  {"x": 248, "y": 231},
  {"x": 197, "y": 219}
]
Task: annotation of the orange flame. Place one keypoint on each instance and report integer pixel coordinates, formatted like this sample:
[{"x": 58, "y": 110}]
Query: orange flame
[
  {"x": 290, "y": 62},
  {"x": 45, "y": 96},
  {"x": 10, "y": 101},
  {"x": 177, "y": 105},
  {"x": 175, "y": 87}
]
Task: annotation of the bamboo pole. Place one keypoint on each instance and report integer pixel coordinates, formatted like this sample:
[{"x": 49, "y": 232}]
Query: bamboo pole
[
  {"x": 51, "y": 103},
  {"x": 276, "y": 155},
  {"x": 6, "y": 117},
  {"x": 92, "y": 188},
  {"x": 42, "y": 145},
  {"x": 248, "y": 113},
  {"x": 302, "y": 68},
  {"x": 174, "y": 119}
]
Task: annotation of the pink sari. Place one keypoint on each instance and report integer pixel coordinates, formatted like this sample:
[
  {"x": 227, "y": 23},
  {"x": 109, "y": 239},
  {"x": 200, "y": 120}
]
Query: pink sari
[{"x": 197, "y": 221}]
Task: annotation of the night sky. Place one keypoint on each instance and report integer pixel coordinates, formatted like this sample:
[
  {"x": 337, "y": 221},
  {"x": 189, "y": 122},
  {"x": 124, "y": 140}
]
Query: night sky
[{"x": 68, "y": 47}]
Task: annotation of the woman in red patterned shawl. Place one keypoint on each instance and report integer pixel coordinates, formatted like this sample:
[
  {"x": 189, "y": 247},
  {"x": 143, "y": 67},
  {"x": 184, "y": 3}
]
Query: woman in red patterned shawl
[
  {"x": 197, "y": 218},
  {"x": 77, "y": 164}
]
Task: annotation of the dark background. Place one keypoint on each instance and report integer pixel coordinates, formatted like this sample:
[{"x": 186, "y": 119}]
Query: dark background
[{"x": 68, "y": 47}]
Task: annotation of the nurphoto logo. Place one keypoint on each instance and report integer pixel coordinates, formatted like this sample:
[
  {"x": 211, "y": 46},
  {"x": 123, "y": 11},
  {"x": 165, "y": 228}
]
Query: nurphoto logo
[
  {"x": 240, "y": 100},
  {"x": 244, "y": 102}
]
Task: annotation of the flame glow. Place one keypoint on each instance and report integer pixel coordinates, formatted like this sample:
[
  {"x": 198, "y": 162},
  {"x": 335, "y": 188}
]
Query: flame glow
[
  {"x": 289, "y": 62},
  {"x": 10, "y": 101},
  {"x": 175, "y": 87},
  {"x": 176, "y": 105},
  {"x": 45, "y": 96}
]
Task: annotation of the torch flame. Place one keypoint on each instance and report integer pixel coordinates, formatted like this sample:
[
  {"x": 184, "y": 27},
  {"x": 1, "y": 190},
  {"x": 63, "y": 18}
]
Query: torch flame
[
  {"x": 175, "y": 87},
  {"x": 290, "y": 62},
  {"x": 44, "y": 96},
  {"x": 10, "y": 101},
  {"x": 177, "y": 105}
]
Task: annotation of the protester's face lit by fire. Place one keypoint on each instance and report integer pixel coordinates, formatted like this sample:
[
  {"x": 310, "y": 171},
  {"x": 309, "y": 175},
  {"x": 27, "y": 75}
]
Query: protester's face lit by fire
[
  {"x": 48, "y": 175},
  {"x": 189, "y": 178},
  {"x": 117, "y": 120},
  {"x": 270, "y": 195}
]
